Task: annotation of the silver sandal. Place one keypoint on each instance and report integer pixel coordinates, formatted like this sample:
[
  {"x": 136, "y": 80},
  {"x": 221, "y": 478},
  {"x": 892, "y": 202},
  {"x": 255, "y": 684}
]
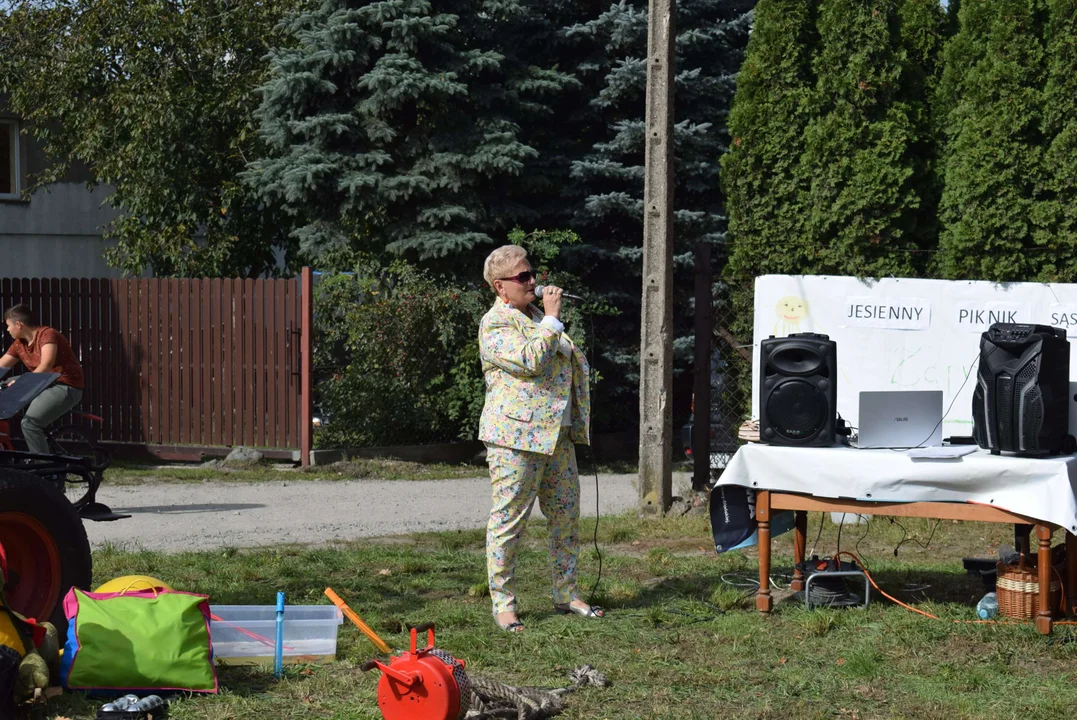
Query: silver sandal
[
  {"x": 513, "y": 627},
  {"x": 591, "y": 611}
]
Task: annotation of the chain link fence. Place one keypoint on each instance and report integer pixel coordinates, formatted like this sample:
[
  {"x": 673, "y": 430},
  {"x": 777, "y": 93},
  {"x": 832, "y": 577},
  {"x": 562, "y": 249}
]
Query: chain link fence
[{"x": 731, "y": 388}]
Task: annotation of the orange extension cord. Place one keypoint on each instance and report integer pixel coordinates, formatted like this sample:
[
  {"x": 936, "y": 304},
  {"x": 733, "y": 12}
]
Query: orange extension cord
[{"x": 893, "y": 599}]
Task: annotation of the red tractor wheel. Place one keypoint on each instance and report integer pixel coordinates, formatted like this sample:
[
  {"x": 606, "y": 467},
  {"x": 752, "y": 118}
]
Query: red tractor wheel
[{"x": 46, "y": 546}]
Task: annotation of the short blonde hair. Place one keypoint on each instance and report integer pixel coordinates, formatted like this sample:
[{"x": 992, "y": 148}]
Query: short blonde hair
[{"x": 500, "y": 262}]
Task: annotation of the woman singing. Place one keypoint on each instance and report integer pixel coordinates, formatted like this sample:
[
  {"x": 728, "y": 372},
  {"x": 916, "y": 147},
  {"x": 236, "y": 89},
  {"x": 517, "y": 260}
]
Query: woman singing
[{"x": 537, "y": 406}]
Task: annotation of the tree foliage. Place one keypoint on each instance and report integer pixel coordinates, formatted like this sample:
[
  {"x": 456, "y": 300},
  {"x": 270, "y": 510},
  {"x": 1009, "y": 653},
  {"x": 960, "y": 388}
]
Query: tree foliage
[
  {"x": 867, "y": 183},
  {"x": 607, "y": 184},
  {"x": 762, "y": 174},
  {"x": 400, "y": 124},
  {"x": 1059, "y": 259},
  {"x": 393, "y": 347},
  {"x": 155, "y": 97},
  {"x": 996, "y": 212},
  {"x": 397, "y": 348},
  {"x": 428, "y": 131},
  {"x": 832, "y": 169}
]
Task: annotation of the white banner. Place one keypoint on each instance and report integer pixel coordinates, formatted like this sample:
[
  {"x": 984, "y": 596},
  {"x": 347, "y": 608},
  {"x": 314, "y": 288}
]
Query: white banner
[{"x": 901, "y": 334}]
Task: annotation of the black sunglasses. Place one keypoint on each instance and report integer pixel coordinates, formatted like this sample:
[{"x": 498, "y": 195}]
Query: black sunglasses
[{"x": 523, "y": 278}]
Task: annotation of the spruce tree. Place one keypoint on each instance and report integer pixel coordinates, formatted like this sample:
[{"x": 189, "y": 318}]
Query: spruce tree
[
  {"x": 607, "y": 191},
  {"x": 1059, "y": 262},
  {"x": 396, "y": 125},
  {"x": 996, "y": 224}
]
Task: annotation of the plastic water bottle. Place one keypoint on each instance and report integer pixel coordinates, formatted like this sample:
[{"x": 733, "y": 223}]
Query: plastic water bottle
[
  {"x": 987, "y": 608},
  {"x": 123, "y": 703},
  {"x": 150, "y": 702}
]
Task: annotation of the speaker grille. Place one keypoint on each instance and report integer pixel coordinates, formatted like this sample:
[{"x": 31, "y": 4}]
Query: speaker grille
[
  {"x": 797, "y": 409},
  {"x": 1030, "y": 421},
  {"x": 1028, "y": 373},
  {"x": 1004, "y": 410},
  {"x": 1027, "y": 416}
]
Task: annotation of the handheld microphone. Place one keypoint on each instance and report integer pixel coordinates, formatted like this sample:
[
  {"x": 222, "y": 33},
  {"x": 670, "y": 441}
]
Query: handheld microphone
[{"x": 540, "y": 288}]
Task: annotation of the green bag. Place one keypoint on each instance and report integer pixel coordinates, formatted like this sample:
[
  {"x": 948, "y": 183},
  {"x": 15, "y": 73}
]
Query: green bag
[{"x": 146, "y": 640}]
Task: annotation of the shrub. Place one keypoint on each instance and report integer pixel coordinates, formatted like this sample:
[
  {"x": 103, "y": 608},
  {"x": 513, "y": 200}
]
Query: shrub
[
  {"x": 396, "y": 357},
  {"x": 396, "y": 349}
]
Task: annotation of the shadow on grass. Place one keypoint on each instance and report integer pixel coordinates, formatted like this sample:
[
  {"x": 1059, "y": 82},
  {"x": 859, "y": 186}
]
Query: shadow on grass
[
  {"x": 246, "y": 681},
  {"x": 916, "y": 586},
  {"x": 911, "y": 586}
]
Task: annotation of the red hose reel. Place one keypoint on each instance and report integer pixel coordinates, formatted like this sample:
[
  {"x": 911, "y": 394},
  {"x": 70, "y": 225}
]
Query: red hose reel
[{"x": 422, "y": 684}]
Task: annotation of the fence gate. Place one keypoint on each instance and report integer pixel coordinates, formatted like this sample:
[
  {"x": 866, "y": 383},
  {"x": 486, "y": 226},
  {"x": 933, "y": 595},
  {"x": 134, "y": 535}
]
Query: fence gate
[{"x": 185, "y": 368}]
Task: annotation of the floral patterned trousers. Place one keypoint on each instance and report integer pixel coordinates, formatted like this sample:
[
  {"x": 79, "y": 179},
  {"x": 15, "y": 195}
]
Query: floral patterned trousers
[{"x": 519, "y": 477}]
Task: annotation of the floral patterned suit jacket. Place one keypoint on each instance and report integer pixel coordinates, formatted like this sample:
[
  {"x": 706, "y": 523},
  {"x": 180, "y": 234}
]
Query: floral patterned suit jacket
[{"x": 530, "y": 382}]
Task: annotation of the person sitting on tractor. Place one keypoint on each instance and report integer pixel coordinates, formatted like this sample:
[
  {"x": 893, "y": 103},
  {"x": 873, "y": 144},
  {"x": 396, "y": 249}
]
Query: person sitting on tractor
[{"x": 42, "y": 349}]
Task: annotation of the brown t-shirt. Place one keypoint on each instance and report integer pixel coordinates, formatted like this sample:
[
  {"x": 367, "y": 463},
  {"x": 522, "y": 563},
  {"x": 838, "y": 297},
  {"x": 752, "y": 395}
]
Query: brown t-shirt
[{"x": 66, "y": 364}]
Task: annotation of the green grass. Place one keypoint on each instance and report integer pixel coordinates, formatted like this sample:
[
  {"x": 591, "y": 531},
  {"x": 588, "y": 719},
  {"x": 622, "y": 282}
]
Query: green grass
[
  {"x": 681, "y": 639},
  {"x": 358, "y": 469}
]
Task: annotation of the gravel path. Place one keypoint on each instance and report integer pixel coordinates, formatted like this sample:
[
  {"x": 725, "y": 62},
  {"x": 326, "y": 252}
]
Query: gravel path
[{"x": 203, "y": 516}]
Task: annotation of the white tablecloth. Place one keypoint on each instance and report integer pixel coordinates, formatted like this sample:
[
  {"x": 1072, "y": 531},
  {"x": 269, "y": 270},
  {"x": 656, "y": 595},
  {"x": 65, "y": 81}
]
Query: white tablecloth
[{"x": 1038, "y": 488}]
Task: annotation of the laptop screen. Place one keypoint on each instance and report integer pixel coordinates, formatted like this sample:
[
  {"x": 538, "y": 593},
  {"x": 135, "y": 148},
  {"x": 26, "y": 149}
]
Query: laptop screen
[{"x": 900, "y": 419}]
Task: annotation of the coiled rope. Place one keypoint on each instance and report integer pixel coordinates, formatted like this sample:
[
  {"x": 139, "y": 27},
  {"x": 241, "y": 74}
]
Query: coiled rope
[{"x": 494, "y": 700}]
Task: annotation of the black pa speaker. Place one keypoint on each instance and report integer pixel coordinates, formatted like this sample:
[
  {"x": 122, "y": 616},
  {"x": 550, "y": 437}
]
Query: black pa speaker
[
  {"x": 1020, "y": 403},
  {"x": 798, "y": 390}
]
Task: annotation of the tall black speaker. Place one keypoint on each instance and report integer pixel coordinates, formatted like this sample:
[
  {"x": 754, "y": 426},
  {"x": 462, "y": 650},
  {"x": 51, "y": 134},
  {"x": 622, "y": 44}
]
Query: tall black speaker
[
  {"x": 798, "y": 390},
  {"x": 1020, "y": 403}
]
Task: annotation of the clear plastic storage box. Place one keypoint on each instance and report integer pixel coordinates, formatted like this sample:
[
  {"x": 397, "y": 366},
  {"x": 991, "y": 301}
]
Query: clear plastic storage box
[{"x": 246, "y": 634}]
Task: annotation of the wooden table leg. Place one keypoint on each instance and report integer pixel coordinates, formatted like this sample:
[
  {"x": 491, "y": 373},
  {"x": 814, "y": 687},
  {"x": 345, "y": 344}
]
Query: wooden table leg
[
  {"x": 800, "y": 545},
  {"x": 1043, "y": 618},
  {"x": 1071, "y": 572},
  {"x": 763, "y": 600}
]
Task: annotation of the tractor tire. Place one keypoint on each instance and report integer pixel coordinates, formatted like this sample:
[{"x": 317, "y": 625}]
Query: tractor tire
[{"x": 46, "y": 546}]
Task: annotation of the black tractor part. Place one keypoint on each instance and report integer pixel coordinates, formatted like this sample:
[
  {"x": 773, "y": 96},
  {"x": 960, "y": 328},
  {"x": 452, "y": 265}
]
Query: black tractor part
[{"x": 46, "y": 546}]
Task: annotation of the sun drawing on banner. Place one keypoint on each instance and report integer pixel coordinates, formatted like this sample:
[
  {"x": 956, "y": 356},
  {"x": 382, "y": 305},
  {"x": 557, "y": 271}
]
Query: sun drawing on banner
[{"x": 791, "y": 311}]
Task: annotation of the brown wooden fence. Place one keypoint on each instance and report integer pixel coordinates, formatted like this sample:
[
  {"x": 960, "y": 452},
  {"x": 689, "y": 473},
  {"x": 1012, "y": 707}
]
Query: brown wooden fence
[{"x": 186, "y": 367}]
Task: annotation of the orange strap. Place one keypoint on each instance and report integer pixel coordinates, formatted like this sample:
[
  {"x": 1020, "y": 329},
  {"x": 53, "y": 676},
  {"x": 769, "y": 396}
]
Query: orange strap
[
  {"x": 893, "y": 599},
  {"x": 358, "y": 621}
]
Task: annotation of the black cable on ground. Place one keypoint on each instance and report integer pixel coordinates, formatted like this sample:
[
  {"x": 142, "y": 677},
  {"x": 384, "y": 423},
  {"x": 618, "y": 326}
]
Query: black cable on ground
[
  {"x": 594, "y": 468},
  {"x": 822, "y": 521}
]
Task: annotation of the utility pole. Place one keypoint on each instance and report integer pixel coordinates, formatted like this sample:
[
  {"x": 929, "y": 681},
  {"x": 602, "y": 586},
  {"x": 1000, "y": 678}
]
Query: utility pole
[{"x": 656, "y": 347}]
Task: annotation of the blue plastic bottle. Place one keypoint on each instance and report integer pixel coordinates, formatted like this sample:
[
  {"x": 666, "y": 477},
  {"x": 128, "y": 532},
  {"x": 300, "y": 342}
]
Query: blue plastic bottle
[{"x": 987, "y": 608}]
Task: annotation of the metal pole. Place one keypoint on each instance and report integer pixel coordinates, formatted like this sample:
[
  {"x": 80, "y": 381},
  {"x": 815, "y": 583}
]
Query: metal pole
[
  {"x": 278, "y": 648},
  {"x": 701, "y": 436},
  {"x": 656, "y": 347},
  {"x": 306, "y": 365}
]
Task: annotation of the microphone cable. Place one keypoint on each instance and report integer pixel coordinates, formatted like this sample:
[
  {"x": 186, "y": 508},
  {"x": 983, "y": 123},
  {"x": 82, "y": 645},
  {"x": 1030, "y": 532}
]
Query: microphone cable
[
  {"x": 974, "y": 367},
  {"x": 594, "y": 468},
  {"x": 594, "y": 462}
]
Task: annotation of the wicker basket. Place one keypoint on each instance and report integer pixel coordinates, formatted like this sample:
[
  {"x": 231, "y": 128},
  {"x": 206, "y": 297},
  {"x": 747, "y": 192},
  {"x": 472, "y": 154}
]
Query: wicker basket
[
  {"x": 749, "y": 431},
  {"x": 1018, "y": 588}
]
